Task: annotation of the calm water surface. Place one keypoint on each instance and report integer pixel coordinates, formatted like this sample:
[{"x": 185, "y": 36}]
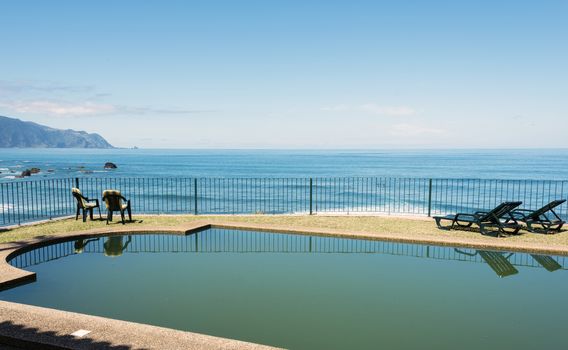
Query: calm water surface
[{"x": 304, "y": 292}]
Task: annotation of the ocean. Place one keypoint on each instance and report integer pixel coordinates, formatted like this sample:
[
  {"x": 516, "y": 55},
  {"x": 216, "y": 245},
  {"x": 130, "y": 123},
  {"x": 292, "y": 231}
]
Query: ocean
[{"x": 537, "y": 164}]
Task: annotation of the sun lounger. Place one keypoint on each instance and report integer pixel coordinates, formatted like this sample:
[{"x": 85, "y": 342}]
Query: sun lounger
[
  {"x": 538, "y": 221},
  {"x": 499, "y": 218}
]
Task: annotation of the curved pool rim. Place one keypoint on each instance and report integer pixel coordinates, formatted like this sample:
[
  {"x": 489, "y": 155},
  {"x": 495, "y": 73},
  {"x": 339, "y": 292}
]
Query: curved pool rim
[{"x": 11, "y": 276}]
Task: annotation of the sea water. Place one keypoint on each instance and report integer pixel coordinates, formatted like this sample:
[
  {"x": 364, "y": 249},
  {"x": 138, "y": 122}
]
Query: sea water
[{"x": 548, "y": 164}]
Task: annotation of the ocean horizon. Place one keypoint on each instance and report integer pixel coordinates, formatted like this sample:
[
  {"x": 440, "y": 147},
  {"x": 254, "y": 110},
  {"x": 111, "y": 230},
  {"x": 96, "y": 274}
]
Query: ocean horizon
[{"x": 522, "y": 164}]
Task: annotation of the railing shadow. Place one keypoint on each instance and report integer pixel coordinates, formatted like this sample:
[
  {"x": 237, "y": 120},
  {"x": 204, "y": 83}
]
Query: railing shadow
[{"x": 20, "y": 336}]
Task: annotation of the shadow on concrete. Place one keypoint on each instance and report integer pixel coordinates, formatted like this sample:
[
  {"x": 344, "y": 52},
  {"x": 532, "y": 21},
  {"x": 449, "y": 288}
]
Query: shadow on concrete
[{"x": 16, "y": 336}]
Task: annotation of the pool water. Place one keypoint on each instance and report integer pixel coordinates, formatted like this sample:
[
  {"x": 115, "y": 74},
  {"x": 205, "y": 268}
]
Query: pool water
[{"x": 307, "y": 292}]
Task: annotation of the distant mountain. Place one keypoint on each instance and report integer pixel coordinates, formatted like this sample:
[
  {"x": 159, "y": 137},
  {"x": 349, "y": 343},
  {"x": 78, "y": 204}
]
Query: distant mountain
[{"x": 21, "y": 134}]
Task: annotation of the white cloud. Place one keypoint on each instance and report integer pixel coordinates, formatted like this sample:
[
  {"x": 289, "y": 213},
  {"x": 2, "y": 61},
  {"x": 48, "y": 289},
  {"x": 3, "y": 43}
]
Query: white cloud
[
  {"x": 34, "y": 86},
  {"x": 373, "y": 108},
  {"x": 405, "y": 129},
  {"x": 59, "y": 109},
  {"x": 337, "y": 108},
  {"x": 84, "y": 109},
  {"x": 394, "y": 111}
]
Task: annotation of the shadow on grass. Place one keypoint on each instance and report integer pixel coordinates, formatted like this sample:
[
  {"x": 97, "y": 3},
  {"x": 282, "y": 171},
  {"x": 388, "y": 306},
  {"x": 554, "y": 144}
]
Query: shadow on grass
[{"x": 20, "y": 336}]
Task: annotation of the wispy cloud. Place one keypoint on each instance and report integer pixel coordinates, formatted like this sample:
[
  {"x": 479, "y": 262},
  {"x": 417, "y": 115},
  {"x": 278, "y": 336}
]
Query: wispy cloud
[
  {"x": 84, "y": 109},
  {"x": 337, "y": 108},
  {"x": 394, "y": 111},
  {"x": 33, "y": 86},
  {"x": 372, "y": 108},
  {"x": 59, "y": 109},
  {"x": 406, "y": 129}
]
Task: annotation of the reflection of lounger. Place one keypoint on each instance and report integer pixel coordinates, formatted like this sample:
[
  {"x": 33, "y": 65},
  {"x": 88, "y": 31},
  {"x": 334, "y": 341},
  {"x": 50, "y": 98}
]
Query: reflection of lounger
[
  {"x": 547, "y": 262},
  {"x": 498, "y": 263},
  {"x": 495, "y": 260}
]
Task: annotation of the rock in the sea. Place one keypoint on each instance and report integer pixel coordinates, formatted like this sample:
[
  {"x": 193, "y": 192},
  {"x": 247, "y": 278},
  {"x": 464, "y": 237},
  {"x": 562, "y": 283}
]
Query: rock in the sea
[
  {"x": 34, "y": 170},
  {"x": 50, "y": 170},
  {"x": 26, "y": 172},
  {"x": 109, "y": 165}
]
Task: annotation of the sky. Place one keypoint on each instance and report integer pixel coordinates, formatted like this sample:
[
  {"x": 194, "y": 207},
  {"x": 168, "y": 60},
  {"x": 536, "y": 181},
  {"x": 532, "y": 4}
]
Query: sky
[{"x": 291, "y": 74}]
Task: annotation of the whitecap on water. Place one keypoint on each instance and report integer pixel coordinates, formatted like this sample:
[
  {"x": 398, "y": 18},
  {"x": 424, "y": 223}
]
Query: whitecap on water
[{"x": 5, "y": 207}]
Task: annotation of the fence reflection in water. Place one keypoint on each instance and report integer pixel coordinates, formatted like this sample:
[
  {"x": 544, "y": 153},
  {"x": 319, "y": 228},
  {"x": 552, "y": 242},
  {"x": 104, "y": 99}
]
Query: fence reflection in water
[{"x": 239, "y": 241}]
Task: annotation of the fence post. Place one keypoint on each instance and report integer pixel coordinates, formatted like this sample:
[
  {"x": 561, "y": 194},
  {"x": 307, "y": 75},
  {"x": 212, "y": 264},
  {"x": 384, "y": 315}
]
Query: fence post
[
  {"x": 311, "y": 192},
  {"x": 429, "y": 197},
  {"x": 76, "y": 182},
  {"x": 195, "y": 195}
]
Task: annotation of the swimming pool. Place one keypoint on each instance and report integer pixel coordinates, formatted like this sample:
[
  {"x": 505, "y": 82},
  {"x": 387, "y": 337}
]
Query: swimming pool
[{"x": 307, "y": 292}]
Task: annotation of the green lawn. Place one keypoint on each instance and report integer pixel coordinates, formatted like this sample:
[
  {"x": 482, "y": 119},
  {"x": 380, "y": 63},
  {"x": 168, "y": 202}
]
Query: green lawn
[{"x": 368, "y": 224}]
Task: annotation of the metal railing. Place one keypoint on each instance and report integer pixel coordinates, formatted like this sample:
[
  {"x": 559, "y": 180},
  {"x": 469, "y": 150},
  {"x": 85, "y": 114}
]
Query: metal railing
[{"x": 32, "y": 200}]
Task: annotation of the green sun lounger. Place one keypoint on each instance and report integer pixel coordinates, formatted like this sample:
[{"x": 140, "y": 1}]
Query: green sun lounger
[
  {"x": 499, "y": 218},
  {"x": 538, "y": 221}
]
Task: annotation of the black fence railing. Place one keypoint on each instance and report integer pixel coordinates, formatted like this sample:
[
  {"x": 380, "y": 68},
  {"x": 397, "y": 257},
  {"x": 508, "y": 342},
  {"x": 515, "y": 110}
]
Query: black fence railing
[{"x": 32, "y": 200}]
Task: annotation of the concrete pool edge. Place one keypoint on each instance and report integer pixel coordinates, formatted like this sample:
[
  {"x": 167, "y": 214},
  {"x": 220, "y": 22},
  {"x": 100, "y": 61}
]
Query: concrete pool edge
[
  {"x": 11, "y": 276},
  {"x": 27, "y": 326}
]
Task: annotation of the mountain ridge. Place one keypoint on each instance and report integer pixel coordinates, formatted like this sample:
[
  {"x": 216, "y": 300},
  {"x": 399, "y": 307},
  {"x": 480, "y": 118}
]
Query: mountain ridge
[{"x": 16, "y": 133}]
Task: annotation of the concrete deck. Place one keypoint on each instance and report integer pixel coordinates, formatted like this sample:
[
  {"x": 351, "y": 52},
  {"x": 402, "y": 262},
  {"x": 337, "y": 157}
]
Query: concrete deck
[
  {"x": 21, "y": 323},
  {"x": 32, "y": 327}
]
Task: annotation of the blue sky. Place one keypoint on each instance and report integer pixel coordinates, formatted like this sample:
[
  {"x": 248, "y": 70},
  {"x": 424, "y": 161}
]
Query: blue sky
[{"x": 291, "y": 74}]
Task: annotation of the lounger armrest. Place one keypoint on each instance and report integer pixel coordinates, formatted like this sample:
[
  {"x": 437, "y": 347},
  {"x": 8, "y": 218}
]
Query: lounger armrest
[
  {"x": 474, "y": 215},
  {"x": 555, "y": 215},
  {"x": 520, "y": 213}
]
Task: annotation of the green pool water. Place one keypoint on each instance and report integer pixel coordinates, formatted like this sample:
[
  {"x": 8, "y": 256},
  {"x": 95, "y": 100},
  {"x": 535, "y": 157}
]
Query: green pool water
[{"x": 306, "y": 292}]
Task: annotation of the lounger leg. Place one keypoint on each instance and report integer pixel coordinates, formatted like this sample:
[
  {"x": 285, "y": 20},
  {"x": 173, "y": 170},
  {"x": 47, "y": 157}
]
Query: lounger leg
[
  {"x": 129, "y": 213},
  {"x": 91, "y": 214},
  {"x": 122, "y": 216},
  {"x": 84, "y": 215},
  {"x": 77, "y": 215},
  {"x": 438, "y": 222},
  {"x": 530, "y": 227},
  {"x": 100, "y": 216}
]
